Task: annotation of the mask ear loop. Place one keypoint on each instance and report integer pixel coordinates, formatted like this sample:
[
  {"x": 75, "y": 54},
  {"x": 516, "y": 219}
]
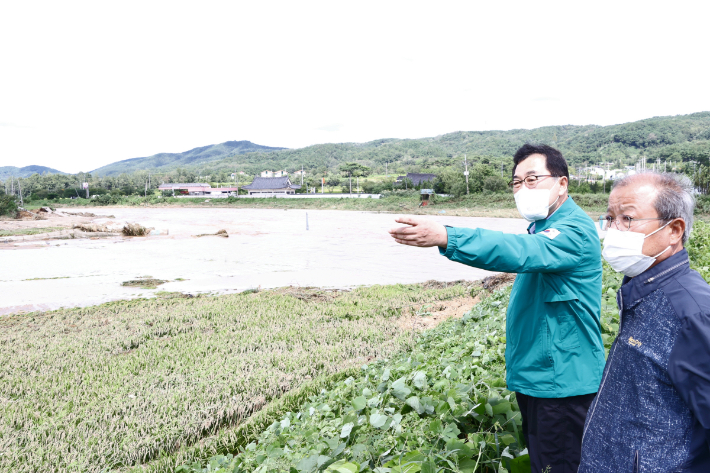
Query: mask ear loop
[
  {"x": 558, "y": 196},
  {"x": 658, "y": 230},
  {"x": 659, "y": 254}
]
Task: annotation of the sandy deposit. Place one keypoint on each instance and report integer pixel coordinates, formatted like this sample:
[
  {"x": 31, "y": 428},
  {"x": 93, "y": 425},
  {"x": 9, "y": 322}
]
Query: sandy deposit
[{"x": 265, "y": 248}]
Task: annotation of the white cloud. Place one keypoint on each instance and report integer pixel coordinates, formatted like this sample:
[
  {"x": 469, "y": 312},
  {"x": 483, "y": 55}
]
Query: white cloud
[{"x": 100, "y": 82}]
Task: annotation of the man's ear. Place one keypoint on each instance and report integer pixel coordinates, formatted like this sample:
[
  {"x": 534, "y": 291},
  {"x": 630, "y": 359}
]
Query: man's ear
[
  {"x": 564, "y": 185},
  {"x": 677, "y": 227}
]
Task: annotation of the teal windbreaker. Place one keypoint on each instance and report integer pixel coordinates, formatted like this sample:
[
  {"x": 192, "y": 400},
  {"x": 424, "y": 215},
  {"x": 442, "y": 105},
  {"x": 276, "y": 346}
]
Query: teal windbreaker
[{"x": 553, "y": 332}]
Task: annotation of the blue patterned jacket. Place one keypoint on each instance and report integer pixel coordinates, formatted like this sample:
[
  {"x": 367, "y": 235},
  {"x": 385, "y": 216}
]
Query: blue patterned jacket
[{"x": 652, "y": 412}]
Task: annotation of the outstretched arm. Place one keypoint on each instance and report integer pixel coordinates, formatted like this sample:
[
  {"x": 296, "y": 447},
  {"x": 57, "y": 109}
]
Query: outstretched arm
[{"x": 420, "y": 232}]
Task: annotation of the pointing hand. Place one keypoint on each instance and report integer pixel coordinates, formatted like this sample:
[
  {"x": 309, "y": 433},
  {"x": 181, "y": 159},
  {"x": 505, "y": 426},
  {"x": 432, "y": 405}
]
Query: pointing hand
[{"x": 420, "y": 232}]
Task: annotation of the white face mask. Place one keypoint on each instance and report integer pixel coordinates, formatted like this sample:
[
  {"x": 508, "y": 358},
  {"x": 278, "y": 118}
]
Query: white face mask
[
  {"x": 623, "y": 251},
  {"x": 533, "y": 203}
]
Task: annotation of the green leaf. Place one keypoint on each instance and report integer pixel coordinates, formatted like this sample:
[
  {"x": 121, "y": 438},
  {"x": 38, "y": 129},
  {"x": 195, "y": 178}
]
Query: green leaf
[
  {"x": 385, "y": 375},
  {"x": 345, "y": 431},
  {"x": 520, "y": 464},
  {"x": 400, "y": 389},
  {"x": 359, "y": 403},
  {"x": 414, "y": 403},
  {"x": 419, "y": 381},
  {"x": 467, "y": 465},
  {"x": 428, "y": 467},
  {"x": 436, "y": 427},
  {"x": 343, "y": 466},
  {"x": 377, "y": 420},
  {"x": 410, "y": 462},
  {"x": 450, "y": 432},
  {"x": 501, "y": 407},
  {"x": 307, "y": 464}
]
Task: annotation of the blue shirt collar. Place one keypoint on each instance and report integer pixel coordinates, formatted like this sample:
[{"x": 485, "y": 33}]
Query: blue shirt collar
[{"x": 635, "y": 289}]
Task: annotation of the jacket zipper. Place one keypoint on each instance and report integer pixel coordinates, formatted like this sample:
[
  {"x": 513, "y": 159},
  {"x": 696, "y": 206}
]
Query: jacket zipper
[
  {"x": 651, "y": 279},
  {"x": 637, "y": 468},
  {"x": 611, "y": 357}
]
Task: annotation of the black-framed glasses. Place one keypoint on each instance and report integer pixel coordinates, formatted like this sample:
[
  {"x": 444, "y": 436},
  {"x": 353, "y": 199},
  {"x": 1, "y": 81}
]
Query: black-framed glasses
[
  {"x": 622, "y": 223},
  {"x": 530, "y": 181}
]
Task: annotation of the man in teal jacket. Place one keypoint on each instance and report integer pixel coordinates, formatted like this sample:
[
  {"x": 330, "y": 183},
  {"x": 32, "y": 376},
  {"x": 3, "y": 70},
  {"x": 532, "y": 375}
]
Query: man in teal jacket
[{"x": 554, "y": 353}]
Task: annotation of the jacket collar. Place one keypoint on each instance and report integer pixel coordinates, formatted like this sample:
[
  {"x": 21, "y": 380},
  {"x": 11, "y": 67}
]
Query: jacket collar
[
  {"x": 634, "y": 289},
  {"x": 567, "y": 207}
]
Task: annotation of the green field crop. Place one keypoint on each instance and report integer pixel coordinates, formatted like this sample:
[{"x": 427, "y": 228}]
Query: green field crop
[
  {"x": 441, "y": 406},
  {"x": 119, "y": 384}
]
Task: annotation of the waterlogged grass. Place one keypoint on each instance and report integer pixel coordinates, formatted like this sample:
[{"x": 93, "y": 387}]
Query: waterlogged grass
[
  {"x": 120, "y": 384},
  {"x": 29, "y": 231}
]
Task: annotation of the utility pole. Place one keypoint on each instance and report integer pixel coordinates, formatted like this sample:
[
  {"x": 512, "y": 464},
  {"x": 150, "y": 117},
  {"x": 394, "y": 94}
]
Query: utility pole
[
  {"x": 301, "y": 175},
  {"x": 386, "y": 173},
  {"x": 465, "y": 173},
  {"x": 19, "y": 186}
]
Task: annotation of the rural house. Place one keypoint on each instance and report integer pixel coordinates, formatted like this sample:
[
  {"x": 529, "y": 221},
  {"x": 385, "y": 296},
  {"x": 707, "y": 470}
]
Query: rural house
[
  {"x": 280, "y": 173},
  {"x": 192, "y": 188},
  {"x": 271, "y": 185},
  {"x": 417, "y": 178},
  {"x": 195, "y": 188}
]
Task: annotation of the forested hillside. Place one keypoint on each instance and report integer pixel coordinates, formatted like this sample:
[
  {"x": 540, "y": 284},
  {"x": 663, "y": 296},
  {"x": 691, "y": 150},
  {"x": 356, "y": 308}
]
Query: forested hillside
[
  {"x": 12, "y": 171},
  {"x": 196, "y": 156},
  {"x": 679, "y": 138},
  {"x": 679, "y": 143}
]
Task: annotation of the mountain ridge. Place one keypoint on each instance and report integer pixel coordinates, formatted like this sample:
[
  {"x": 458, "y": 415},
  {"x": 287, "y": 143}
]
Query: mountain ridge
[
  {"x": 199, "y": 155},
  {"x": 26, "y": 171}
]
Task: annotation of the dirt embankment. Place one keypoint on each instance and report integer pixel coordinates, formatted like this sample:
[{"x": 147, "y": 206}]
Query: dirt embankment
[
  {"x": 46, "y": 224},
  {"x": 425, "y": 316}
]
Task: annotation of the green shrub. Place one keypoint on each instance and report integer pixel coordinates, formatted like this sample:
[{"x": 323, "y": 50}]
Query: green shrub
[
  {"x": 495, "y": 183},
  {"x": 8, "y": 205},
  {"x": 699, "y": 249}
]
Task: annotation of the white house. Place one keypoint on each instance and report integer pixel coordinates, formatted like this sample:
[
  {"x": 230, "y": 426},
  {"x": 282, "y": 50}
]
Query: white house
[{"x": 280, "y": 173}]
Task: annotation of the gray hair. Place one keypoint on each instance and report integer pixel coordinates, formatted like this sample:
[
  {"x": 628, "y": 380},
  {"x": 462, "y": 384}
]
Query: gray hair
[{"x": 675, "y": 198}]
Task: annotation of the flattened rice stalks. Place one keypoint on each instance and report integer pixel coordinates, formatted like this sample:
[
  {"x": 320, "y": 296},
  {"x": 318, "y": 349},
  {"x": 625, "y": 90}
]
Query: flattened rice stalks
[{"x": 135, "y": 229}]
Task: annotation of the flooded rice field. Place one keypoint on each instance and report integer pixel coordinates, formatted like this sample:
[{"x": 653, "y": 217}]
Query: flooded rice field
[{"x": 265, "y": 248}]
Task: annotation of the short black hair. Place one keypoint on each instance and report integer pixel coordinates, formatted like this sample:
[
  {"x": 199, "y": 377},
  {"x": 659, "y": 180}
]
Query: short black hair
[{"x": 555, "y": 162}]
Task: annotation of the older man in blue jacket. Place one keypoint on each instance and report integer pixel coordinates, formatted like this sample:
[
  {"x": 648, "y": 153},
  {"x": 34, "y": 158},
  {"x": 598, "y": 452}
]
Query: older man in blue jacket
[{"x": 652, "y": 412}]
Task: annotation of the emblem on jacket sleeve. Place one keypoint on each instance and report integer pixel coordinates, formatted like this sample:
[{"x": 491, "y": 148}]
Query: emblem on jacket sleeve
[
  {"x": 550, "y": 233},
  {"x": 634, "y": 343}
]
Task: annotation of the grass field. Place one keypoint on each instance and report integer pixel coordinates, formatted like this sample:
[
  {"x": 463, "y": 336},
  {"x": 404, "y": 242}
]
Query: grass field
[
  {"x": 123, "y": 383},
  {"x": 28, "y": 231}
]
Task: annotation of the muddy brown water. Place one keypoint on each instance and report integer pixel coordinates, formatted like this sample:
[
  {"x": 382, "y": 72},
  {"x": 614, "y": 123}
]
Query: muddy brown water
[{"x": 266, "y": 248}]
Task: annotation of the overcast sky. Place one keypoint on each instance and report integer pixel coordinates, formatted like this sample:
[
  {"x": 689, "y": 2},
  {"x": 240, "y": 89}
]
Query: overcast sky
[{"x": 84, "y": 84}]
